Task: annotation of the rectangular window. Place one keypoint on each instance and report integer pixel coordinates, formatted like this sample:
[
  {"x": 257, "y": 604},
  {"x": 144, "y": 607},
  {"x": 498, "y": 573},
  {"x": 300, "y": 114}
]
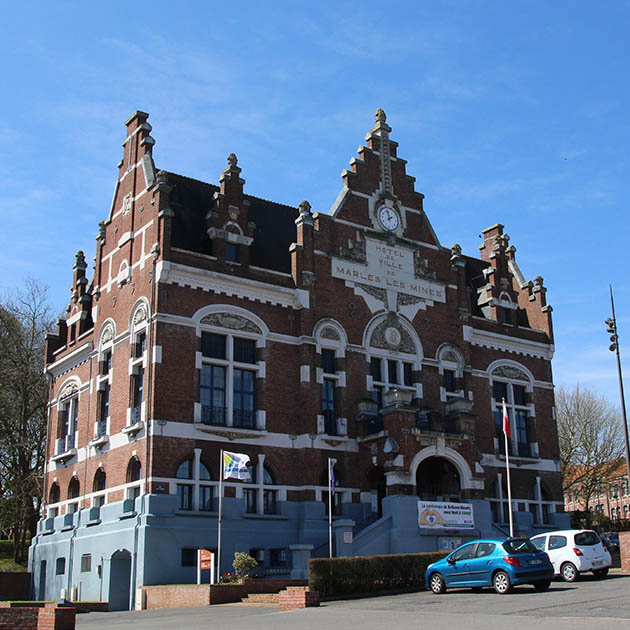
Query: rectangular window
[
  {"x": 104, "y": 403},
  {"x": 278, "y": 557},
  {"x": 519, "y": 395},
  {"x": 231, "y": 252},
  {"x": 408, "y": 374},
  {"x": 213, "y": 346},
  {"x": 328, "y": 361},
  {"x": 138, "y": 395},
  {"x": 86, "y": 563},
  {"x": 243, "y": 399},
  {"x": 449, "y": 380},
  {"x": 244, "y": 350},
  {"x": 392, "y": 371},
  {"x": 213, "y": 400},
  {"x": 205, "y": 498},
  {"x": 521, "y": 433},
  {"x": 189, "y": 556},
  {"x": 184, "y": 494},
  {"x": 269, "y": 498},
  {"x": 375, "y": 369},
  {"x": 251, "y": 496},
  {"x": 106, "y": 363},
  {"x": 328, "y": 407},
  {"x": 499, "y": 391},
  {"x": 377, "y": 395},
  {"x": 60, "y": 566}
]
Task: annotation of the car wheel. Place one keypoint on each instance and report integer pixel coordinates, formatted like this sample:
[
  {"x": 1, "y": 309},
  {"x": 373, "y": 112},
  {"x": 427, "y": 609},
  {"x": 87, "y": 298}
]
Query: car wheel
[
  {"x": 436, "y": 583},
  {"x": 501, "y": 582},
  {"x": 542, "y": 586},
  {"x": 600, "y": 573},
  {"x": 568, "y": 572}
]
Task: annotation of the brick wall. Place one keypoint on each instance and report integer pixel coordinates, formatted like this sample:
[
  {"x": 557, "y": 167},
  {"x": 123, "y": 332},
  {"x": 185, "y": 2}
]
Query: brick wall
[
  {"x": 296, "y": 597},
  {"x": 36, "y": 616},
  {"x": 624, "y": 550}
]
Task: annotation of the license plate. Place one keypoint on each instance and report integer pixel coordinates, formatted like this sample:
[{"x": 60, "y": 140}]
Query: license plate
[
  {"x": 598, "y": 563},
  {"x": 535, "y": 562}
]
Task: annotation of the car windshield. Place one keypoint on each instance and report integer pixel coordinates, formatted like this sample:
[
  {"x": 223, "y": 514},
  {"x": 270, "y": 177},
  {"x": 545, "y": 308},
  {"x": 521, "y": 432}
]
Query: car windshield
[
  {"x": 586, "y": 539},
  {"x": 519, "y": 546}
]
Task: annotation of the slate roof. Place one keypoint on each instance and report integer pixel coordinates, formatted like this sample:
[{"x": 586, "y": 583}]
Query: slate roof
[{"x": 275, "y": 223}]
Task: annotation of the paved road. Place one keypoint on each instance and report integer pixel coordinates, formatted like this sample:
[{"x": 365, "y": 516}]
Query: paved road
[{"x": 590, "y": 603}]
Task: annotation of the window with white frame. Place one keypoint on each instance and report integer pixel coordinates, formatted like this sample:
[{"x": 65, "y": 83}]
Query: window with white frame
[
  {"x": 67, "y": 417},
  {"x": 192, "y": 492},
  {"x": 329, "y": 381},
  {"x": 228, "y": 380},
  {"x": 104, "y": 380},
  {"x": 451, "y": 364},
  {"x": 138, "y": 365},
  {"x": 388, "y": 373},
  {"x": 497, "y": 498},
  {"x": 261, "y": 497},
  {"x": 539, "y": 503},
  {"x": 512, "y": 385},
  {"x": 134, "y": 477},
  {"x": 98, "y": 488}
]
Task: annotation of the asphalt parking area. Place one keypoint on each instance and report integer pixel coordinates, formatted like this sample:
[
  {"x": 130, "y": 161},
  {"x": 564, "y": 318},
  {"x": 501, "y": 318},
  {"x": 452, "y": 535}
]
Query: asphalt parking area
[{"x": 588, "y": 603}]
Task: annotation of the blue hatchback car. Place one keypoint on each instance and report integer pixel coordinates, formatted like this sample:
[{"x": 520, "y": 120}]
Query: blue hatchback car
[{"x": 498, "y": 563}]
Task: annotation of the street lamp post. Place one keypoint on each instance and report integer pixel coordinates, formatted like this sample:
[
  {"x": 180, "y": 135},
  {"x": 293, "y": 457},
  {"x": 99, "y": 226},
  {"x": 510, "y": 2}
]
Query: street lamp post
[{"x": 611, "y": 323}]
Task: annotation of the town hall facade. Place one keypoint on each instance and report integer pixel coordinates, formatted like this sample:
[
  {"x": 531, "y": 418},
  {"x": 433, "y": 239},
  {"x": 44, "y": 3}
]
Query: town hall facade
[{"x": 215, "y": 320}]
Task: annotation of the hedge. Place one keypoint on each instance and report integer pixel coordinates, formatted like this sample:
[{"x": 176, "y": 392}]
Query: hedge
[{"x": 334, "y": 577}]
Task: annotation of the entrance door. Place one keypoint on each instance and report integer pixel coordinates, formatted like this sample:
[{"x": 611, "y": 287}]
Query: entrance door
[
  {"x": 378, "y": 489},
  {"x": 42, "y": 581},
  {"x": 120, "y": 580}
]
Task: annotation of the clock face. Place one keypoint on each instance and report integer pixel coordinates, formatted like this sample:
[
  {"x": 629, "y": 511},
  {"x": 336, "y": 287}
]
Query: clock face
[{"x": 389, "y": 218}]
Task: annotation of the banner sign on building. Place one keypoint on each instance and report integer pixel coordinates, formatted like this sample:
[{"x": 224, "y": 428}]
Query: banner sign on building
[{"x": 433, "y": 515}]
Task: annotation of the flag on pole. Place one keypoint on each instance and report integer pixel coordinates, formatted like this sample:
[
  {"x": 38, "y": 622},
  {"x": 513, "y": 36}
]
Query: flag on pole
[
  {"x": 235, "y": 466},
  {"x": 331, "y": 465},
  {"x": 506, "y": 421}
]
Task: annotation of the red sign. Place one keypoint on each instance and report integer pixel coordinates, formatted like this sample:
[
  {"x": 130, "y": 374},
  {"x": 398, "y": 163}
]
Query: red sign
[{"x": 205, "y": 559}]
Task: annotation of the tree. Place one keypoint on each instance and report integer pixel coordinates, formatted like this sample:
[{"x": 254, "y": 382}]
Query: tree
[
  {"x": 24, "y": 319},
  {"x": 590, "y": 439}
]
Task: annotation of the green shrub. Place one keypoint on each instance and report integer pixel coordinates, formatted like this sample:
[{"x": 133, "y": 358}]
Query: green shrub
[
  {"x": 243, "y": 564},
  {"x": 334, "y": 577}
]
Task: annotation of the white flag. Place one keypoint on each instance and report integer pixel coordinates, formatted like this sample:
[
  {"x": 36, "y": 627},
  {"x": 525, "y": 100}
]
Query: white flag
[{"x": 235, "y": 466}]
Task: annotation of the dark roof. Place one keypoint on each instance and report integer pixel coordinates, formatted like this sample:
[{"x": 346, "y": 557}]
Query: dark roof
[{"x": 275, "y": 223}]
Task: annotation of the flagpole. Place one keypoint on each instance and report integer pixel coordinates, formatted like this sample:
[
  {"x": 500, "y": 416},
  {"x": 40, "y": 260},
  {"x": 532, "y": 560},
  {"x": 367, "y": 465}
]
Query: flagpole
[
  {"x": 330, "y": 542},
  {"x": 220, "y": 518},
  {"x": 506, "y": 419}
]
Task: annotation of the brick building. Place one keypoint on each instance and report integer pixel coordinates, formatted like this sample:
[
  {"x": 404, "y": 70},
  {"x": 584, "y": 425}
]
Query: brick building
[
  {"x": 216, "y": 319},
  {"x": 610, "y": 498}
]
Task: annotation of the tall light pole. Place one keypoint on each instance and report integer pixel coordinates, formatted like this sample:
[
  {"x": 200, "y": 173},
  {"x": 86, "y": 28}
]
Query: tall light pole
[{"x": 611, "y": 323}]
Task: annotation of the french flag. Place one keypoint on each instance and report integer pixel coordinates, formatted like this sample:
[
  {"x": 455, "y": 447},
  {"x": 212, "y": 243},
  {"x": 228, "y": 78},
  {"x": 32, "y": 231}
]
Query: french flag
[{"x": 506, "y": 421}]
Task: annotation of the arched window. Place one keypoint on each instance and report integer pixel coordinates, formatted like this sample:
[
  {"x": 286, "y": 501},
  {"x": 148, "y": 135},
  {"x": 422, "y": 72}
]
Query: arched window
[
  {"x": 138, "y": 340},
  {"x": 98, "y": 485},
  {"x": 104, "y": 378},
  {"x": 73, "y": 493},
  {"x": 67, "y": 418},
  {"x": 259, "y": 496},
  {"x": 53, "y": 497},
  {"x": 512, "y": 384},
  {"x": 229, "y": 369},
  {"x": 134, "y": 476},
  {"x": 451, "y": 370},
  {"x": 195, "y": 492}
]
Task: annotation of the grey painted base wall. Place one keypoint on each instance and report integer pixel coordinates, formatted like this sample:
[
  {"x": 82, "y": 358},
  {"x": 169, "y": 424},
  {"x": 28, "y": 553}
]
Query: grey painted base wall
[{"x": 139, "y": 543}]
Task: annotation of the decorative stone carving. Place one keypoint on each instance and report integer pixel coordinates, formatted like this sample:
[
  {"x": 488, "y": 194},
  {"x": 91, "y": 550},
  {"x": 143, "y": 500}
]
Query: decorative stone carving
[
  {"x": 233, "y": 212},
  {"x": 308, "y": 279},
  {"x": 140, "y": 315},
  {"x": 108, "y": 334},
  {"x": 379, "y": 294},
  {"x": 404, "y": 299},
  {"x": 388, "y": 332},
  {"x": 421, "y": 266},
  {"x": 508, "y": 371},
  {"x": 230, "y": 320},
  {"x": 355, "y": 250},
  {"x": 70, "y": 390},
  {"x": 449, "y": 355},
  {"x": 126, "y": 207},
  {"x": 329, "y": 333},
  {"x": 305, "y": 208},
  {"x": 232, "y": 160}
]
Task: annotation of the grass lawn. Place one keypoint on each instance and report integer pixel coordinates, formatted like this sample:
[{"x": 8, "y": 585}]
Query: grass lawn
[{"x": 6, "y": 557}]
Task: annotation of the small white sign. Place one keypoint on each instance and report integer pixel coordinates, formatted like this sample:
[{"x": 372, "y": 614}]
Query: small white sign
[
  {"x": 347, "y": 538},
  {"x": 433, "y": 515}
]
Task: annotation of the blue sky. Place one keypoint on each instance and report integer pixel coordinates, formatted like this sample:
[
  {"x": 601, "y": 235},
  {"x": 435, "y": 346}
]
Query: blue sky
[{"x": 507, "y": 112}]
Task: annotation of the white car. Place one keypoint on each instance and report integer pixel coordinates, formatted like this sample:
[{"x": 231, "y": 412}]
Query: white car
[{"x": 574, "y": 551}]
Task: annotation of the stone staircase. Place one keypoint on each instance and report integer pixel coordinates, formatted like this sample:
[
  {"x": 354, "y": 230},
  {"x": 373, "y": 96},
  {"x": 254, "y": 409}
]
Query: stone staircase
[{"x": 261, "y": 599}]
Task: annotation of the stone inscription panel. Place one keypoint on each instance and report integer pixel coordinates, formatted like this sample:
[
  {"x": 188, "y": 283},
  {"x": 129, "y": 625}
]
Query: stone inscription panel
[{"x": 390, "y": 268}]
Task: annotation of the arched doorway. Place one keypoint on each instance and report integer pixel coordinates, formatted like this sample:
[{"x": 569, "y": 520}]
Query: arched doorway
[
  {"x": 119, "y": 580},
  {"x": 437, "y": 479},
  {"x": 378, "y": 489}
]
